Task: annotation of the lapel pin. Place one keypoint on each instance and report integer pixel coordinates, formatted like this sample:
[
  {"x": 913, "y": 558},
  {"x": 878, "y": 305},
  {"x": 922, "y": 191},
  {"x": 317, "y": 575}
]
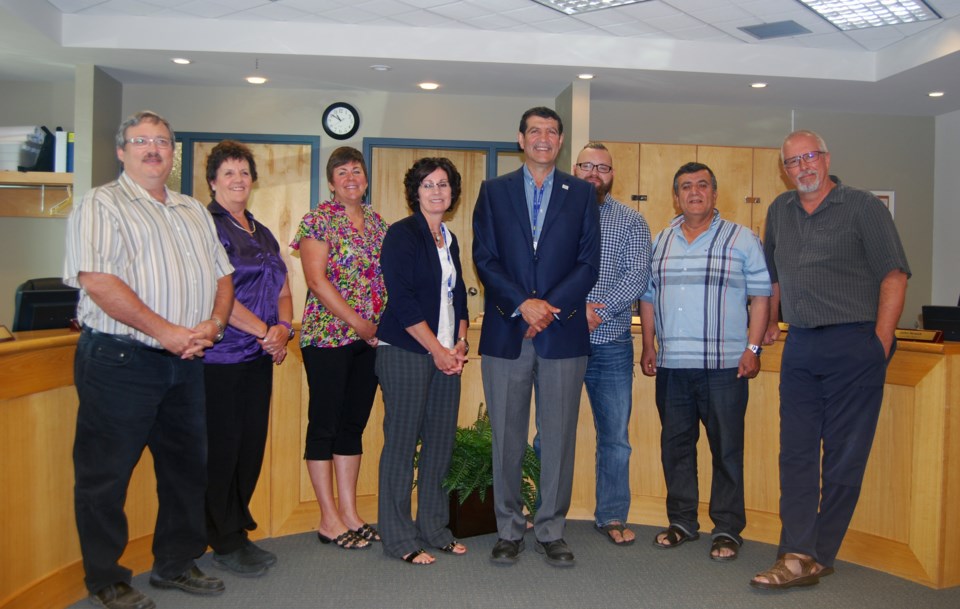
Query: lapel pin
[{"x": 565, "y": 187}]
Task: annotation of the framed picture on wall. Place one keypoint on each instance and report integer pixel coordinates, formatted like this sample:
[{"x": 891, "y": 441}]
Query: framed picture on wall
[{"x": 886, "y": 197}]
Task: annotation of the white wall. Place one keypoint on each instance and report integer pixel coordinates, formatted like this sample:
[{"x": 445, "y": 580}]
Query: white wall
[
  {"x": 946, "y": 211},
  {"x": 874, "y": 152},
  {"x": 394, "y": 115}
]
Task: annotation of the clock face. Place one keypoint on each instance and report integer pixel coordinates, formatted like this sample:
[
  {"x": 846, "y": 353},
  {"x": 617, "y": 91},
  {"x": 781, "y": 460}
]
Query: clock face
[{"x": 341, "y": 120}]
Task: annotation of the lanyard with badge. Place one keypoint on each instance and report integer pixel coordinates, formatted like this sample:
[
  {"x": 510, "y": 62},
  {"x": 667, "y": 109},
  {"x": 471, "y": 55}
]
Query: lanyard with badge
[
  {"x": 537, "y": 202},
  {"x": 446, "y": 250}
]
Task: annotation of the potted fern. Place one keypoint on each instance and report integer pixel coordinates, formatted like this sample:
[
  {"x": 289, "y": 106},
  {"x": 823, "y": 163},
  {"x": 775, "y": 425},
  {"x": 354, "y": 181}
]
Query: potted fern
[{"x": 470, "y": 479}]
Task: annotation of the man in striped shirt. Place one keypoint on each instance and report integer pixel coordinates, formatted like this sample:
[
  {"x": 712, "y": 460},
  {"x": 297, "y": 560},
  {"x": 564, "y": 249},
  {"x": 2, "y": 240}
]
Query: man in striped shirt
[
  {"x": 704, "y": 272},
  {"x": 156, "y": 290}
]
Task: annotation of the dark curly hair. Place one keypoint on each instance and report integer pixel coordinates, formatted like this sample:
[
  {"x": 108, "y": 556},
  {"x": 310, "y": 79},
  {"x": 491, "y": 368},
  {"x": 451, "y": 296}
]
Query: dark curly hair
[
  {"x": 422, "y": 169},
  {"x": 226, "y": 150}
]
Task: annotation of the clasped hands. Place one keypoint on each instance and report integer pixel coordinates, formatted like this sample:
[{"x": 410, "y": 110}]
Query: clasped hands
[
  {"x": 450, "y": 361},
  {"x": 538, "y": 314},
  {"x": 274, "y": 342},
  {"x": 189, "y": 343}
]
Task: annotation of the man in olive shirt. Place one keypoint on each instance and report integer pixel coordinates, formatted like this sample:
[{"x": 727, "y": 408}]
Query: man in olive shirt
[
  {"x": 156, "y": 290},
  {"x": 839, "y": 270}
]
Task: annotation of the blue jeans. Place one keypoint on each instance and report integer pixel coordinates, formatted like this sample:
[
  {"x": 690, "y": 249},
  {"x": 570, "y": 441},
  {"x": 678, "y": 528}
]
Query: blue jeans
[
  {"x": 609, "y": 383},
  {"x": 685, "y": 397}
]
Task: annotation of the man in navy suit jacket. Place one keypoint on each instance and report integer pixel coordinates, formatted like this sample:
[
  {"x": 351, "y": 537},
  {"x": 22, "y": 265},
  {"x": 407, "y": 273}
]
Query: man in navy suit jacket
[{"x": 536, "y": 246}]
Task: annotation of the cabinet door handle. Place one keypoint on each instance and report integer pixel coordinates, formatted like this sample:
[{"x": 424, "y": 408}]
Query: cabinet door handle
[
  {"x": 751, "y": 200},
  {"x": 472, "y": 291},
  {"x": 638, "y": 197}
]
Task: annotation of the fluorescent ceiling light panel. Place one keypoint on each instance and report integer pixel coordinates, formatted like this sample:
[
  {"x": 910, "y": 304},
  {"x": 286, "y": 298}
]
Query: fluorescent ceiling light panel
[
  {"x": 859, "y": 14},
  {"x": 575, "y": 7}
]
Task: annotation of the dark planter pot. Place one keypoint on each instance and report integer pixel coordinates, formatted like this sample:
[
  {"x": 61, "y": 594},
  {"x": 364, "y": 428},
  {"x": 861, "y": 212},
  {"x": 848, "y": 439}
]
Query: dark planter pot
[{"x": 474, "y": 517}]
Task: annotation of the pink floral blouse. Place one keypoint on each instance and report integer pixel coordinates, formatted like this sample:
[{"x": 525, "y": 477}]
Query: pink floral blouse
[{"x": 353, "y": 268}]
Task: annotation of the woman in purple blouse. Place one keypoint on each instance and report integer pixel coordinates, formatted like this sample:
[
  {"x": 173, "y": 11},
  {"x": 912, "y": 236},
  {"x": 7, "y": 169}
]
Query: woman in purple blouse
[{"x": 239, "y": 369}]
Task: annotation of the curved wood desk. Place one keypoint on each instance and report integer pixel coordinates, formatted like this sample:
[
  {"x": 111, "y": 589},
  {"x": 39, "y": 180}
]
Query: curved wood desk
[{"x": 907, "y": 522}]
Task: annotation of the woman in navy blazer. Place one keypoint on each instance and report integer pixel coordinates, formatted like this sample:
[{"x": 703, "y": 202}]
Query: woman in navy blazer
[{"x": 423, "y": 348}]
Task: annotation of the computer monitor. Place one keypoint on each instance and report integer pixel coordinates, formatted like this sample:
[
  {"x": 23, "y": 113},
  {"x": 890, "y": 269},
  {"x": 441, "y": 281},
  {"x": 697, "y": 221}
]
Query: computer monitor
[
  {"x": 946, "y": 319},
  {"x": 44, "y": 304}
]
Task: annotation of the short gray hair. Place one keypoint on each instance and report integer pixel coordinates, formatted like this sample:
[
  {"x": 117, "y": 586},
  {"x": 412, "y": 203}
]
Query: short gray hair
[
  {"x": 134, "y": 120},
  {"x": 822, "y": 145}
]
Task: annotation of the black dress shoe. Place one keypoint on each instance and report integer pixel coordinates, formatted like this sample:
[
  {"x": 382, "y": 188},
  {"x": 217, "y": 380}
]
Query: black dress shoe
[
  {"x": 257, "y": 554},
  {"x": 121, "y": 596},
  {"x": 557, "y": 553},
  {"x": 240, "y": 563},
  {"x": 506, "y": 552},
  {"x": 193, "y": 580}
]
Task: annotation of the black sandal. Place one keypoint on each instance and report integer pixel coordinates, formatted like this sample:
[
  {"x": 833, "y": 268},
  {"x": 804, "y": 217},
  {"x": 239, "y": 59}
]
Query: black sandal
[
  {"x": 411, "y": 557},
  {"x": 368, "y": 533},
  {"x": 724, "y": 543},
  {"x": 450, "y": 547},
  {"x": 675, "y": 536},
  {"x": 614, "y": 526},
  {"x": 348, "y": 540}
]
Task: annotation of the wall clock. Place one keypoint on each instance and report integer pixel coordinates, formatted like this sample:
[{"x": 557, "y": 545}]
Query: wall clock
[{"x": 341, "y": 120}]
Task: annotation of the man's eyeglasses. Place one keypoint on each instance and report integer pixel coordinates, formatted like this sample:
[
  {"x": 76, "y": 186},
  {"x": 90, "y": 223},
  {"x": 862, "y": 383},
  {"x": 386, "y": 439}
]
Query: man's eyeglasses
[
  {"x": 143, "y": 142},
  {"x": 438, "y": 185},
  {"x": 806, "y": 157},
  {"x": 588, "y": 167}
]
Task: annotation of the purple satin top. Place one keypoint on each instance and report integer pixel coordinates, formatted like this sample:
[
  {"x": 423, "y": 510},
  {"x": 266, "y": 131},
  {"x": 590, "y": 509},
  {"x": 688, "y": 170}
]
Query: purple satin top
[{"x": 258, "y": 276}]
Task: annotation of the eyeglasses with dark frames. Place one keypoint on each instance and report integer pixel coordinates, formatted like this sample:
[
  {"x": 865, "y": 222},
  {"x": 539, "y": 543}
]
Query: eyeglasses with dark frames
[
  {"x": 806, "y": 157},
  {"x": 588, "y": 167}
]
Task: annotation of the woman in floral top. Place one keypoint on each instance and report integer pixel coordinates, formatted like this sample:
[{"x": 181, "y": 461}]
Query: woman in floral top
[{"x": 339, "y": 245}]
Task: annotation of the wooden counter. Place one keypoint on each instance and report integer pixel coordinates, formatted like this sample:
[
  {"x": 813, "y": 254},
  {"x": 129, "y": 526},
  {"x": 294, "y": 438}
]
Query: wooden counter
[{"x": 907, "y": 522}]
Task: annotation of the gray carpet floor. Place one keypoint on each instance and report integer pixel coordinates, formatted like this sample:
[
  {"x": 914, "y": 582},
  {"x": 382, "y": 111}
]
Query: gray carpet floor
[{"x": 310, "y": 575}]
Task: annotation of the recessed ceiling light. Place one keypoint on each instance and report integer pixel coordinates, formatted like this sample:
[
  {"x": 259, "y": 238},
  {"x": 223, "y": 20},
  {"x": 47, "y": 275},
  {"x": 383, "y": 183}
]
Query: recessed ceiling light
[
  {"x": 428, "y": 86},
  {"x": 256, "y": 80},
  {"x": 758, "y": 85},
  {"x": 575, "y": 7},
  {"x": 585, "y": 76},
  {"x": 183, "y": 61},
  {"x": 935, "y": 94},
  {"x": 859, "y": 14},
  {"x": 379, "y": 67}
]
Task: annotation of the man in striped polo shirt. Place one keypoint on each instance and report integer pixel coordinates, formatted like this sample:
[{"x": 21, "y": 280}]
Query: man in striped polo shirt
[
  {"x": 156, "y": 290},
  {"x": 704, "y": 272}
]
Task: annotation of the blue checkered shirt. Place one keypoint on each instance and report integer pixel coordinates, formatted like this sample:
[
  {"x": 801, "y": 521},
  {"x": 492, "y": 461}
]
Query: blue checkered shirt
[{"x": 624, "y": 268}]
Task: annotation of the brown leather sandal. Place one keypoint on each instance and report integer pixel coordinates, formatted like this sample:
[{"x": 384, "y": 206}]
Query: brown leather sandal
[{"x": 780, "y": 577}]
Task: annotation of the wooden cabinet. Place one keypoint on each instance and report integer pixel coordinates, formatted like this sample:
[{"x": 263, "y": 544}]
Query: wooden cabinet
[
  {"x": 748, "y": 179},
  {"x": 35, "y": 194}
]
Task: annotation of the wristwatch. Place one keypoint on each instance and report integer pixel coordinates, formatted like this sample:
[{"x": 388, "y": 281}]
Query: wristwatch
[
  {"x": 219, "y": 336},
  {"x": 466, "y": 344},
  {"x": 290, "y": 331},
  {"x": 757, "y": 349}
]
